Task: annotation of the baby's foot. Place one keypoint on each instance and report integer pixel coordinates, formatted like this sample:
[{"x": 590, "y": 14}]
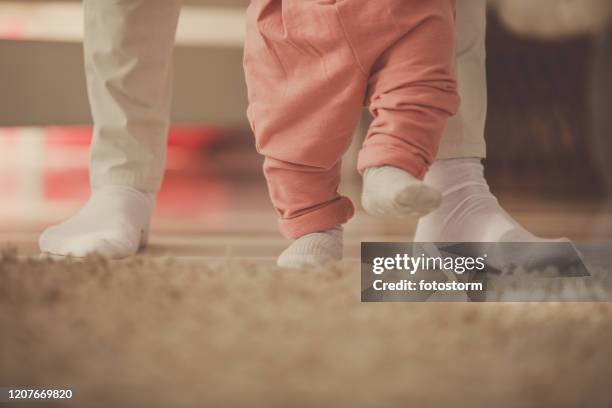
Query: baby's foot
[
  {"x": 313, "y": 250},
  {"x": 391, "y": 191},
  {"x": 113, "y": 223}
]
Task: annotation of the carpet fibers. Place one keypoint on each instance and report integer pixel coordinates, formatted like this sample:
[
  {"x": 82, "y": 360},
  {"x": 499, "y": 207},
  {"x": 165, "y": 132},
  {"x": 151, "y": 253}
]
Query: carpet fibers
[{"x": 172, "y": 333}]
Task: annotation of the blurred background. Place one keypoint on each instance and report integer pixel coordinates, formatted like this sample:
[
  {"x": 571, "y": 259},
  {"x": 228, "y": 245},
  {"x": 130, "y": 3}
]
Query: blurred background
[{"x": 549, "y": 149}]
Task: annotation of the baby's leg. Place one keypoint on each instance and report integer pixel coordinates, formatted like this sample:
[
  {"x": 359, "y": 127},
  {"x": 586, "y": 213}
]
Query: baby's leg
[
  {"x": 310, "y": 209},
  {"x": 305, "y": 98},
  {"x": 128, "y": 50},
  {"x": 412, "y": 95}
]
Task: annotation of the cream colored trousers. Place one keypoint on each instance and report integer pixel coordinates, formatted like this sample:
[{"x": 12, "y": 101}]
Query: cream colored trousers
[{"x": 128, "y": 63}]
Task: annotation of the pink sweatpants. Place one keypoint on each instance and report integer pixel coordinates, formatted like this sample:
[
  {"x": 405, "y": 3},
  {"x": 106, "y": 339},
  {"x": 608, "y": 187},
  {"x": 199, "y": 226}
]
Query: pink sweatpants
[{"x": 310, "y": 67}]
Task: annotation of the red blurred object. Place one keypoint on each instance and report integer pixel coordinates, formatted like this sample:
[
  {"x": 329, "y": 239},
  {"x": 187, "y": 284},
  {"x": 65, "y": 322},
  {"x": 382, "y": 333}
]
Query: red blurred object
[
  {"x": 72, "y": 185},
  {"x": 49, "y": 166},
  {"x": 186, "y": 136},
  {"x": 186, "y": 146},
  {"x": 13, "y": 29}
]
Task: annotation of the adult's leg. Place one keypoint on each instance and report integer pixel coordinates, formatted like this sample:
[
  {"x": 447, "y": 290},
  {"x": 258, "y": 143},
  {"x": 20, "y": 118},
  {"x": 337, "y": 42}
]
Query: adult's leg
[
  {"x": 469, "y": 212},
  {"x": 128, "y": 49},
  {"x": 464, "y": 133}
]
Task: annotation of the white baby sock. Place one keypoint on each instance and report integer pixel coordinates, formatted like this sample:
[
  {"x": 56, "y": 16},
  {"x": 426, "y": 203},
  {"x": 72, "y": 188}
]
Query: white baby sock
[
  {"x": 113, "y": 223},
  {"x": 313, "y": 250},
  {"x": 468, "y": 212},
  {"x": 392, "y": 191}
]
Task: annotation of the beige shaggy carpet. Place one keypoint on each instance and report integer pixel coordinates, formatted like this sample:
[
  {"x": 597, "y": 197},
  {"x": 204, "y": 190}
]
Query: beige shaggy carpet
[{"x": 147, "y": 332}]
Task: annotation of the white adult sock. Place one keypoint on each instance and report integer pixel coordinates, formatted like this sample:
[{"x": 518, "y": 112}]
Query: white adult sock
[
  {"x": 468, "y": 212},
  {"x": 313, "y": 250},
  {"x": 113, "y": 223},
  {"x": 394, "y": 192}
]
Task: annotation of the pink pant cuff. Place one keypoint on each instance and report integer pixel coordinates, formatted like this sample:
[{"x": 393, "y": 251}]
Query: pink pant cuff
[
  {"x": 378, "y": 156},
  {"x": 326, "y": 217}
]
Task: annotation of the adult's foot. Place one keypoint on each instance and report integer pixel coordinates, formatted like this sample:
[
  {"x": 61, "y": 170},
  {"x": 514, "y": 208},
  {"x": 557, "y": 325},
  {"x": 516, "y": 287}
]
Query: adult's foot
[{"x": 114, "y": 223}]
